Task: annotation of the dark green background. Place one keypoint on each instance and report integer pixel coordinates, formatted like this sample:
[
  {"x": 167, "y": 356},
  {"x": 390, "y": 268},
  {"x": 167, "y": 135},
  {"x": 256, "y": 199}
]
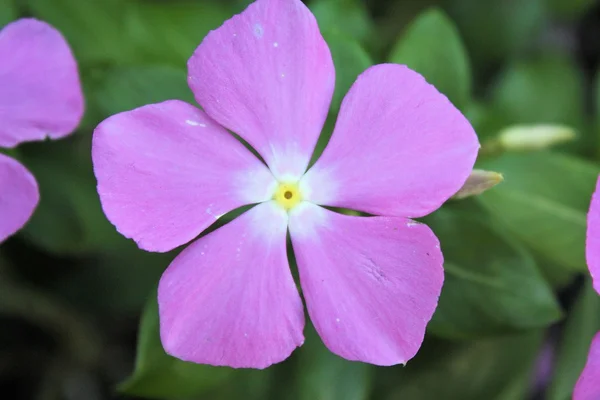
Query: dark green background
[{"x": 72, "y": 290}]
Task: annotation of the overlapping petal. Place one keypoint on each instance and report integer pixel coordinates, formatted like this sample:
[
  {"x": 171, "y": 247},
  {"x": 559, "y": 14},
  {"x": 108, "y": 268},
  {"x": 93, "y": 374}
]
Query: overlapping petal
[
  {"x": 592, "y": 247},
  {"x": 166, "y": 171},
  {"x": 267, "y": 74},
  {"x": 399, "y": 147},
  {"x": 40, "y": 93},
  {"x": 18, "y": 196},
  {"x": 588, "y": 385},
  {"x": 371, "y": 285},
  {"x": 229, "y": 298}
]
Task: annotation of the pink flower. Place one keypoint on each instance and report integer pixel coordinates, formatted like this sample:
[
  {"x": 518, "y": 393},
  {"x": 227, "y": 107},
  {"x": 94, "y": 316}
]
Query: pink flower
[
  {"x": 40, "y": 96},
  {"x": 400, "y": 149},
  {"x": 588, "y": 385}
]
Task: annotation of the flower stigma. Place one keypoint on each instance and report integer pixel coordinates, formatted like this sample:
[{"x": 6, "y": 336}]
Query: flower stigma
[{"x": 288, "y": 195}]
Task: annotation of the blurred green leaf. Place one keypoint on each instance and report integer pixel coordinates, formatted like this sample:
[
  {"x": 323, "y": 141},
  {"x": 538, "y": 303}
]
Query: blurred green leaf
[
  {"x": 544, "y": 201},
  {"x": 323, "y": 375},
  {"x": 581, "y": 326},
  {"x": 158, "y": 375},
  {"x": 171, "y": 31},
  {"x": 569, "y": 9},
  {"x": 432, "y": 46},
  {"x": 126, "y": 88},
  {"x": 8, "y": 12},
  {"x": 486, "y": 121},
  {"x": 95, "y": 29},
  {"x": 477, "y": 370},
  {"x": 349, "y": 17},
  {"x": 350, "y": 60},
  {"x": 69, "y": 218},
  {"x": 492, "y": 285},
  {"x": 495, "y": 30},
  {"x": 548, "y": 89}
]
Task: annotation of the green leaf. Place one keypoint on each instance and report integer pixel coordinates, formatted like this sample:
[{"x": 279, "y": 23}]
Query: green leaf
[
  {"x": 350, "y": 60},
  {"x": 158, "y": 375},
  {"x": 480, "y": 24},
  {"x": 432, "y": 46},
  {"x": 581, "y": 326},
  {"x": 492, "y": 284},
  {"x": 323, "y": 375},
  {"x": 472, "y": 371},
  {"x": 126, "y": 88},
  {"x": 348, "y": 17},
  {"x": 548, "y": 89},
  {"x": 8, "y": 12},
  {"x": 69, "y": 218},
  {"x": 171, "y": 31},
  {"x": 96, "y": 30},
  {"x": 543, "y": 202}
]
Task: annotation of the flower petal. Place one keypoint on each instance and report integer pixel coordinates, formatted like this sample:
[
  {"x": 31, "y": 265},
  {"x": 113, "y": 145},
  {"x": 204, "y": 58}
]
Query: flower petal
[
  {"x": 18, "y": 196},
  {"x": 41, "y": 94},
  {"x": 167, "y": 171},
  {"x": 267, "y": 74},
  {"x": 230, "y": 299},
  {"x": 588, "y": 385},
  {"x": 592, "y": 247},
  {"x": 371, "y": 284},
  {"x": 399, "y": 147}
]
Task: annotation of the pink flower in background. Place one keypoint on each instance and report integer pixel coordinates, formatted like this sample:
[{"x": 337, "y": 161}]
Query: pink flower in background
[
  {"x": 40, "y": 96},
  {"x": 399, "y": 150},
  {"x": 588, "y": 386}
]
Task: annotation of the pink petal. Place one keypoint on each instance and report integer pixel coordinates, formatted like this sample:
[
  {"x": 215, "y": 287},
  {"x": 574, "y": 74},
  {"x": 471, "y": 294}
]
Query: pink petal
[
  {"x": 230, "y": 299},
  {"x": 267, "y": 74},
  {"x": 399, "y": 147},
  {"x": 371, "y": 284},
  {"x": 167, "y": 171},
  {"x": 40, "y": 92},
  {"x": 592, "y": 247},
  {"x": 588, "y": 385},
  {"x": 18, "y": 196}
]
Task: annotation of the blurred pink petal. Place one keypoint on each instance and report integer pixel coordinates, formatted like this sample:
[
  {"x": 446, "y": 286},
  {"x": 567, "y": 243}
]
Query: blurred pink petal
[
  {"x": 167, "y": 171},
  {"x": 229, "y": 298},
  {"x": 371, "y": 284},
  {"x": 588, "y": 385},
  {"x": 399, "y": 147},
  {"x": 40, "y": 93},
  {"x": 593, "y": 238},
  {"x": 267, "y": 75},
  {"x": 18, "y": 196}
]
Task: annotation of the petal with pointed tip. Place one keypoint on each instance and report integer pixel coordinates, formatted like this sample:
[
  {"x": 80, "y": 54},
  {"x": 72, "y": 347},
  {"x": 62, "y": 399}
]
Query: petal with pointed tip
[
  {"x": 267, "y": 75},
  {"x": 230, "y": 299},
  {"x": 371, "y": 284},
  {"x": 399, "y": 147},
  {"x": 167, "y": 171},
  {"x": 18, "y": 196},
  {"x": 40, "y": 93}
]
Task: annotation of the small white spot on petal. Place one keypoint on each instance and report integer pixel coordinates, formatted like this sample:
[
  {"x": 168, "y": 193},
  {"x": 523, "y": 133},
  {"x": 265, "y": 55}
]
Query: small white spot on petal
[
  {"x": 245, "y": 334},
  {"x": 283, "y": 75},
  {"x": 258, "y": 31},
  {"x": 192, "y": 123},
  {"x": 275, "y": 44},
  {"x": 411, "y": 223},
  {"x": 235, "y": 34},
  {"x": 337, "y": 320}
]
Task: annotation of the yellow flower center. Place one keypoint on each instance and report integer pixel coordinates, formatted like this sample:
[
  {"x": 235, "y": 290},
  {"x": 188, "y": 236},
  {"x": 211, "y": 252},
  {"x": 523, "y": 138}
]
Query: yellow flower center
[{"x": 287, "y": 195}]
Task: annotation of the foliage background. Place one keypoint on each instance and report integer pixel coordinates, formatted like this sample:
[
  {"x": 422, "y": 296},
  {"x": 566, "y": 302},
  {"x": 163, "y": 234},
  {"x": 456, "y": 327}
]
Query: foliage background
[{"x": 517, "y": 311}]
